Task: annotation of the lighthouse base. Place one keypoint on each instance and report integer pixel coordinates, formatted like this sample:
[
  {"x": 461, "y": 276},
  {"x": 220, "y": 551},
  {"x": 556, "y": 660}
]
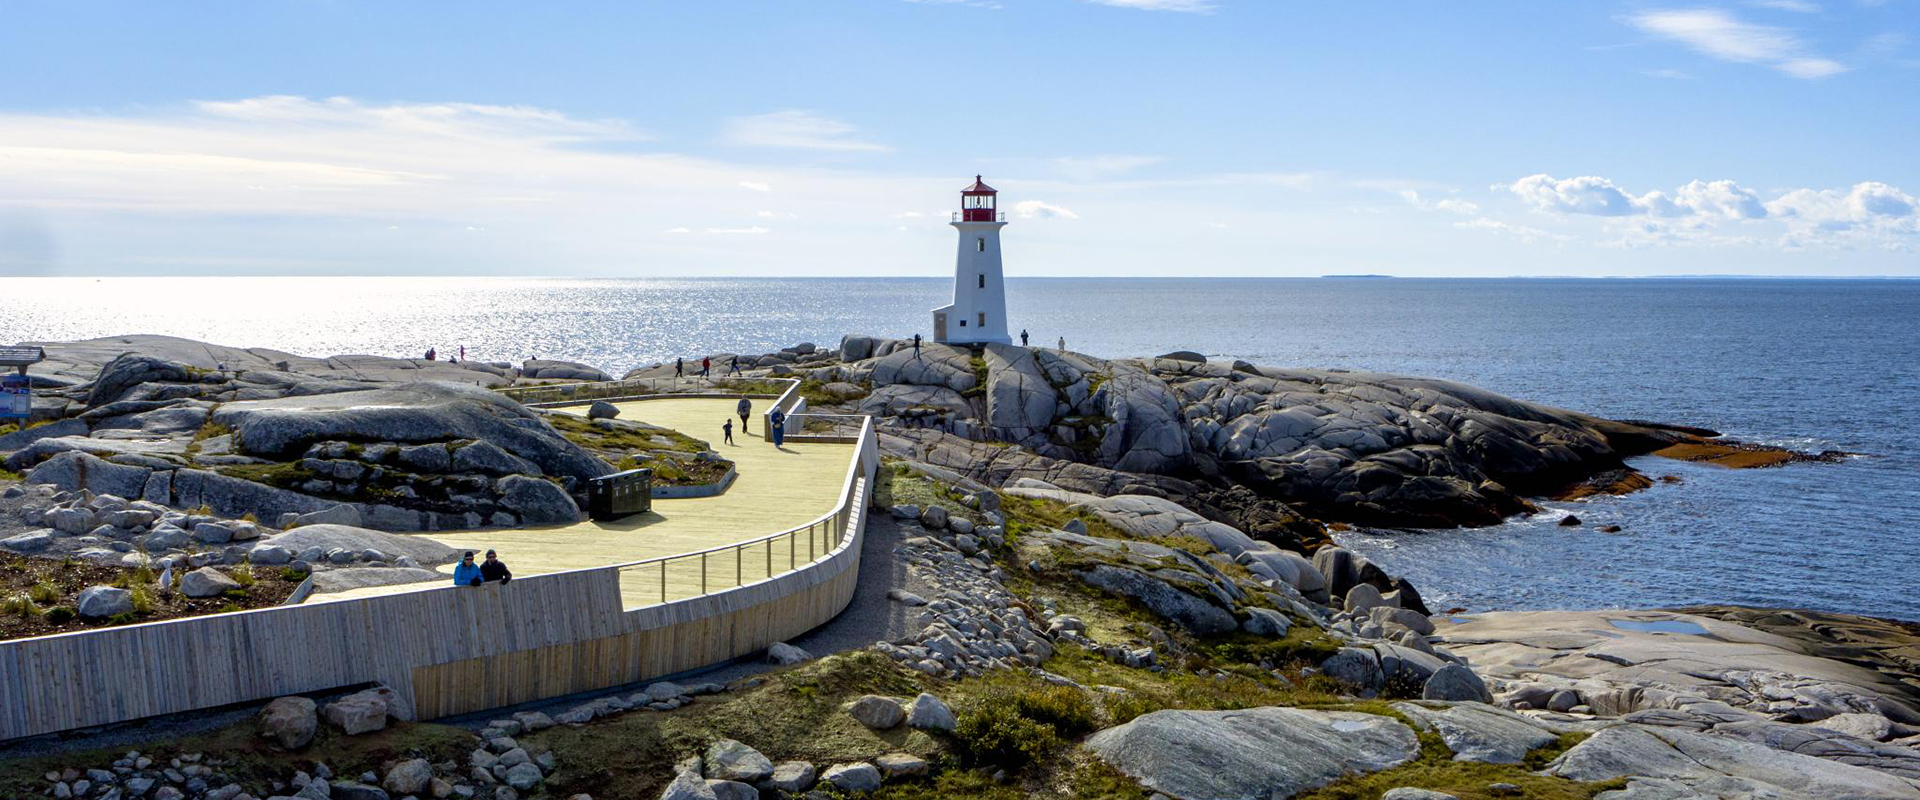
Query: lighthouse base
[{"x": 950, "y": 328}]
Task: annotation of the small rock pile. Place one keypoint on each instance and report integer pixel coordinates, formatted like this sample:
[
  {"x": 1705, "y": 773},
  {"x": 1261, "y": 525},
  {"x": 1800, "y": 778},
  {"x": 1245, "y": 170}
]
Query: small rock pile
[
  {"x": 116, "y": 531},
  {"x": 730, "y": 770},
  {"x": 506, "y": 775},
  {"x": 973, "y": 624}
]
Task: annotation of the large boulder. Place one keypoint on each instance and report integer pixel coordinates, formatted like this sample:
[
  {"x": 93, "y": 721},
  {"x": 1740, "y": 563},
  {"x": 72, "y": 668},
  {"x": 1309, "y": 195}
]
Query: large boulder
[
  {"x": 408, "y": 777},
  {"x": 547, "y": 369},
  {"x": 1020, "y": 401},
  {"x": 289, "y": 722},
  {"x": 326, "y": 537},
  {"x": 360, "y": 712},
  {"x": 537, "y": 501},
  {"x": 730, "y": 760},
  {"x": 876, "y": 712},
  {"x": 415, "y": 413},
  {"x": 207, "y": 582},
  {"x": 1148, "y": 433},
  {"x": 77, "y": 470},
  {"x": 1479, "y": 732},
  {"x": 934, "y": 365},
  {"x": 100, "y": 602},
  {"x": 906, "y": 399},
  {"x": 1252, "y": 753},
  {"x": 130, "y": 370},
  {"x": 1198, "y": 616}
]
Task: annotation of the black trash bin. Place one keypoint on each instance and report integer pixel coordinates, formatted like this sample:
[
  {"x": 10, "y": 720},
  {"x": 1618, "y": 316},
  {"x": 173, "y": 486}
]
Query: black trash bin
[{"x": 620, "y": 494}]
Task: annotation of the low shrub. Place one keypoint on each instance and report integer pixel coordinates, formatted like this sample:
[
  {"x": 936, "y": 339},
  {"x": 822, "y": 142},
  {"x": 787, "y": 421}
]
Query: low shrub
[
  {"x": 1013, "y": 726},
  {"x": 19, "y": 605},
  {"x": 60, "y": 614},
  {"x": 291, "y": 574},
  {"x": 995, "y": 734},
  {"x": 44, "y": 593}
]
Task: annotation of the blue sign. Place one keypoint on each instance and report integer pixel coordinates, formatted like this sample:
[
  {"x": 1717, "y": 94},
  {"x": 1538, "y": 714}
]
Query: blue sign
[{"x": 16, "y": 396}]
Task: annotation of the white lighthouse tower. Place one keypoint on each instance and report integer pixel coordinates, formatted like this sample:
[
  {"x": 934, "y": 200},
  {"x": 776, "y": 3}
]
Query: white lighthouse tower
[{"x": 978, "y": 313}]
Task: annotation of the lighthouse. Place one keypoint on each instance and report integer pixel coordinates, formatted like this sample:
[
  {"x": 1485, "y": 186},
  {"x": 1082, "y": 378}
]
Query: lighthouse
[{"x": 978, "y": 313}]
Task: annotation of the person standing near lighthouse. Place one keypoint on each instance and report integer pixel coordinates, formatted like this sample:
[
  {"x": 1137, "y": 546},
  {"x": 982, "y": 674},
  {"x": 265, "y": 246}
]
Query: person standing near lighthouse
[{"x": 978, "y": 313}]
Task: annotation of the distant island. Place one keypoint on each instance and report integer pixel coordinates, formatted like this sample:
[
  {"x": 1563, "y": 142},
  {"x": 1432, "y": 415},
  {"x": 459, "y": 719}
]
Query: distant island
[{"x": 1356, "y": 276}]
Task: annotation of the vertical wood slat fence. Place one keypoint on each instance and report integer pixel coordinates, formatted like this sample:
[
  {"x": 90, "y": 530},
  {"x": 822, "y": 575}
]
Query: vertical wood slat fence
[{"x": 446, "y": 650}]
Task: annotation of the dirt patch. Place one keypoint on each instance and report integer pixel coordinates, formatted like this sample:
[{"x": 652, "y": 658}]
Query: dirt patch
[{"x": 40, "y": 594}]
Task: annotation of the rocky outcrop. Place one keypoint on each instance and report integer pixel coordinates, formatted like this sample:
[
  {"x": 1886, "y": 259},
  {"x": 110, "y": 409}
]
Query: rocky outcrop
[
  {"x": 409, "y": 414},
  {"x": 1230, "y": 754},
  {"x": 1701, "y": 760}
]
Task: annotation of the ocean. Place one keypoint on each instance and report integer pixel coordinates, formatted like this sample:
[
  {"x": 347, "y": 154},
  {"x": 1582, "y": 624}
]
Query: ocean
[{"x": 1810, "y": 364}]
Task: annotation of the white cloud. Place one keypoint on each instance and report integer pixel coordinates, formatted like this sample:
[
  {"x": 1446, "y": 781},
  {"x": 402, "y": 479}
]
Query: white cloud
[
  {"x": 1036, "y": 209},
  {"x": 1086, "y": 168},
  {"x": 1448, "y": 204},
  {"x": 1721, "y": 35},
  {"x": 755, "y": 231},
  {"x": 678, "y": 230},
  {"x": 1795, "y": 6},
  {"x": 1583, "y": 195},
  {"x": 758, "y": 186},
  {"x": 1869, "y": 213},
  {"x": 795, "y": 129},
  {"x": 1191, "y": 6},
  {"x": 1667, "y": 74}
]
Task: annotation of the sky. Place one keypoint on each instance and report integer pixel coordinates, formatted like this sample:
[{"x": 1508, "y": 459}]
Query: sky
[{"x": 1127, "y": 137}]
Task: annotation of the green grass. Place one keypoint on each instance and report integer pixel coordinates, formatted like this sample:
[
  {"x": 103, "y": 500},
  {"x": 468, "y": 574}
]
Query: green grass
[
  {"x": 900, "y": 485},
  {"x": 207, "y": 431},
  {"x": 1436, "y": 770},
  {"x": 10, "y": 475}
]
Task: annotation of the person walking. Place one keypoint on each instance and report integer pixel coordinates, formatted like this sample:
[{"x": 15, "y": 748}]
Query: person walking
[
  {"x": 777, "y": 427},
  {"x": 466, "y": 573},
  {"x": 743, "y": 409},
  {"x": 463, "y": 353},
  {"x": 916, "y": 345},
  {"x": 733, "y": 368},
  {"x": 706, "y": 365},
  {"x": 493, "y": 570},
  {"x": 1023, "y": 337},
  {"x": 679, "y": 368},
  {"x": 727, "y": 429}
]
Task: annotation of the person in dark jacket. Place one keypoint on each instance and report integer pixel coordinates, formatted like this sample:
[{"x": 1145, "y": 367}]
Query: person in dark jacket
[
  {"x": 679, "y": 367},
  {"x": 493, "y": 569},
  {"x": 706, "y": 365},
  {"x": 726, "y": 428},
  {"x": 744, "y": 408},
  {"x": 466, "y": 573},
  {"x": 777, "y": 427}
]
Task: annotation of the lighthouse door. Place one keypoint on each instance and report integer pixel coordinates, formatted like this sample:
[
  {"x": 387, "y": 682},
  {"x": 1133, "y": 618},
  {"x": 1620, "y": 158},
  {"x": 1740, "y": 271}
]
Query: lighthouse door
[{"x": 939, "y": 327}]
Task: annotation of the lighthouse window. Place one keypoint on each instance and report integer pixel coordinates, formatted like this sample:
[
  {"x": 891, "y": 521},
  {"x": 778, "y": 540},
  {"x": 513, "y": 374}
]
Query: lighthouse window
[
  {"x": 983, "y": 319},
  {"x": 983, "y": 280},
  {"x": 980, "y": 244}
]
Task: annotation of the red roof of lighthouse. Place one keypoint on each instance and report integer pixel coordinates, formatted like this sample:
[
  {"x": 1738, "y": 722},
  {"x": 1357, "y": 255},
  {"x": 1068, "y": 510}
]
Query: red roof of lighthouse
[{"x": 979, "y": 187}]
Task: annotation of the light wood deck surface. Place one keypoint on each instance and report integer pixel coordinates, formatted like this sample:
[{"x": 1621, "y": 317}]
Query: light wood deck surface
[{"x": 775, "y": 489}]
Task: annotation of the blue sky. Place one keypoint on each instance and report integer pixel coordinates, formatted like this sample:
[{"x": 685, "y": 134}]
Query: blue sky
[{"x": 1129, "y": 137}]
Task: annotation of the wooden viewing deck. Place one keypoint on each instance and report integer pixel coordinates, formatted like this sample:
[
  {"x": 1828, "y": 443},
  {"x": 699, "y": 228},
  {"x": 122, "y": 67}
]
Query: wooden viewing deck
[
  {"x": 776, "y": 489},
  {"x": 579, "y": 615}
]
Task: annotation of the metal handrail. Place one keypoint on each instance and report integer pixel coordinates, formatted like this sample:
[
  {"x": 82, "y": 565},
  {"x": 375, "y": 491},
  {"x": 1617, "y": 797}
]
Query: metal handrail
[{"x": 846, "y": 492}]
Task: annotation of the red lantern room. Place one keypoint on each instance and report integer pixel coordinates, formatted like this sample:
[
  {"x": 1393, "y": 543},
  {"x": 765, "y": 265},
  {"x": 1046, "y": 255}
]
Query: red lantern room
[{"x": 977, "y": 202}]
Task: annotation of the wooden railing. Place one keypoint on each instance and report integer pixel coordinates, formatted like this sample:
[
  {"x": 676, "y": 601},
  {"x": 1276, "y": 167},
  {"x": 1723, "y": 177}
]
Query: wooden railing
[{"x": 449, "y": 649}]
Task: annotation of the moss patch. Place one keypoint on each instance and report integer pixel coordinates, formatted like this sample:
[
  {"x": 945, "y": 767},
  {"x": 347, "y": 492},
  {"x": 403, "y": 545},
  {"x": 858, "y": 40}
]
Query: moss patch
[
  {"x": 1435, "y": 769},
  {"x": 669, "y": 453}
]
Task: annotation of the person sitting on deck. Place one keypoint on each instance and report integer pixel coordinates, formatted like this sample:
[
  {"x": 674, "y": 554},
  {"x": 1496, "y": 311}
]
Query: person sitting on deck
[
  {"x": 466, "y": 573},
  {"x": 493, "y": 569}
]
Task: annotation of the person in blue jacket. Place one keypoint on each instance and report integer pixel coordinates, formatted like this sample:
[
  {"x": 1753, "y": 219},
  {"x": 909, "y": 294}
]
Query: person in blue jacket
[
  {"x": 466, "y": 573},
  {"x": 777, "y": 426}
]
